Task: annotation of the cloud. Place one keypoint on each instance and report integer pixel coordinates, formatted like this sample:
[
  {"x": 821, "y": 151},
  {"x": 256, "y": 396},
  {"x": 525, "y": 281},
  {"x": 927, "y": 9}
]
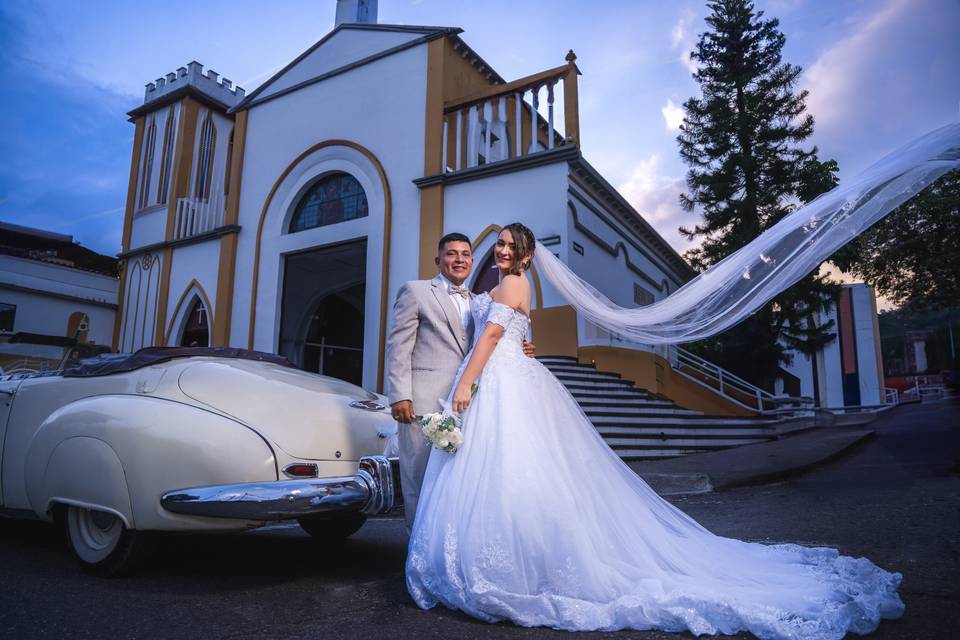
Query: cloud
[
  {"x": 672, "y": 115},
  {"x": 657, "y": 198},
  {"x": 682, "y": 39},
  {"x": 892, "y": 78}
]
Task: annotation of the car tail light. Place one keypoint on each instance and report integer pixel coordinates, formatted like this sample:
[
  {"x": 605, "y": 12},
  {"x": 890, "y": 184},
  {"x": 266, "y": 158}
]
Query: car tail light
[{"x": 301, "y": 470}]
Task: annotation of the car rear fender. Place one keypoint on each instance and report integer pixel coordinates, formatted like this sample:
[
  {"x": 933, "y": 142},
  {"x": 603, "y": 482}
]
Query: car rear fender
[
  {"x": 85, "y": 472},
  {"x": 157, "y": 445}
]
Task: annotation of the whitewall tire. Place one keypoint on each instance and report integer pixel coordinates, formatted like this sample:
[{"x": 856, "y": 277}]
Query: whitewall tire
[{"x": 101, "y": 543}]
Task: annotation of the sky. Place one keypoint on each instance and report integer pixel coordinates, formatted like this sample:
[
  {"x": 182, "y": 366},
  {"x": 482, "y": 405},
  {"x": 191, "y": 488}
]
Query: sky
[{"x": 879, "y": 73}]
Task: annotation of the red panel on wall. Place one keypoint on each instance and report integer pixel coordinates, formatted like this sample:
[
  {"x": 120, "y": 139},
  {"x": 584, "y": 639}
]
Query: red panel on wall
[{"x": 848, "y": 350}]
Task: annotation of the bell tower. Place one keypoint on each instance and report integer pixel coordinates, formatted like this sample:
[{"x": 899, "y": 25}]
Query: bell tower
[{"x": 364, "y": 11}]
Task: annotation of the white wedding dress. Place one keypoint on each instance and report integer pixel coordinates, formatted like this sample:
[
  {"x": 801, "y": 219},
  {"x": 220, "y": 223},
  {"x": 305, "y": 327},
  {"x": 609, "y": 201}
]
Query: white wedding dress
[{"x": 537, "y": 521}]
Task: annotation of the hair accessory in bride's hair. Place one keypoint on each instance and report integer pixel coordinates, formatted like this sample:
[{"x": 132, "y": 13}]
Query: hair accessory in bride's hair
[{"x": 525, "y": 243}]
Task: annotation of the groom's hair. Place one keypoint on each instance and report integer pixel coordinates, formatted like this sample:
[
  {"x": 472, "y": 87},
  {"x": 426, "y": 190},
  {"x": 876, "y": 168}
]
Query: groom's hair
[{"x": 452, "y": 237}]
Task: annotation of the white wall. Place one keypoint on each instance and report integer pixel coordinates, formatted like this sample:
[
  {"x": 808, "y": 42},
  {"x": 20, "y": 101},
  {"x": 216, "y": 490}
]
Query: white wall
[
  {"x": 608, "y": 272},
  {"x": 871, "y": 386},
  {"x": 344, "y": 47},
  {"x": 47, "y": 294},
  {"x": 138, "y": 319},
  {"x": 380, "y": 107},
  {"x": 149, "y": 226},
  {"x": 536, "y": 197}
]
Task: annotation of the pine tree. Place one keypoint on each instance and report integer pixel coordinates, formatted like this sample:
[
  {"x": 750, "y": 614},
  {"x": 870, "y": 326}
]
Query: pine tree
[{"x": 747, "y": 171}]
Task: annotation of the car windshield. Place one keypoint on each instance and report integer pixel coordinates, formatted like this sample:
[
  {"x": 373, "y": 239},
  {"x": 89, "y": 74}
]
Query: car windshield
[{"x": 24, "y": 354}]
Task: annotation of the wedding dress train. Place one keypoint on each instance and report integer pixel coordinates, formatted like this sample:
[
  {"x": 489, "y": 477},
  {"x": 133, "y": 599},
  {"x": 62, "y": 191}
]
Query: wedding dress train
[{"x": 536, "y": 520}]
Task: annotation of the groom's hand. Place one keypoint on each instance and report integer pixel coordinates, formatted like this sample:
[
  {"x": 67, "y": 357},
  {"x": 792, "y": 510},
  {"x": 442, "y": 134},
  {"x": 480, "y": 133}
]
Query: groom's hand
[
  {"x": 402, "y": 411},
  {"x": 529, "y": 349}
]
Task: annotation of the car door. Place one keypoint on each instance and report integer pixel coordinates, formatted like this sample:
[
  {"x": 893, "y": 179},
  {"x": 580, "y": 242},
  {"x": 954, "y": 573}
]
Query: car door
[{"x": 8, "y": 391}]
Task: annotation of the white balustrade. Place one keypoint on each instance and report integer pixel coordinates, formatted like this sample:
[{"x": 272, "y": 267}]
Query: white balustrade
[
  {"x": 486, "y": 135},
  {"x": 196, "y": 216}
]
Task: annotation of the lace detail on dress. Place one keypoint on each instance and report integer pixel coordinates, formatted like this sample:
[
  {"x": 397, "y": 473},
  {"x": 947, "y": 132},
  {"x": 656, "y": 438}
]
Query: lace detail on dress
[{"x": 501, "y": 314}]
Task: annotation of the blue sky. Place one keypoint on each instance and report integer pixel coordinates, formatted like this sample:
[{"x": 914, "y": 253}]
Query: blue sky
[{"x": 880, "y": 72}]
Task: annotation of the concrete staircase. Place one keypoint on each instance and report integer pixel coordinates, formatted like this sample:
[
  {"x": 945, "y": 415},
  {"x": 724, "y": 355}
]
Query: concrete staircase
[{"x": 641, "y": 425}]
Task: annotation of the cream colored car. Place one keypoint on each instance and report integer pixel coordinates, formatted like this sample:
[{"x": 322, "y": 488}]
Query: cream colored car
[{"x": 119, "y": 448}]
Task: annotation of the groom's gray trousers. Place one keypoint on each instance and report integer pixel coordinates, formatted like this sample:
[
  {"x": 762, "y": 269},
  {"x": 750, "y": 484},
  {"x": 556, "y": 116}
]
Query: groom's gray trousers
[{"x": 426, "y": 346}]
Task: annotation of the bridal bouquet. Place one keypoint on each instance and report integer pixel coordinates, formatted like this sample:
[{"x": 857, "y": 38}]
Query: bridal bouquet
[{"x": 442, "y": 429}]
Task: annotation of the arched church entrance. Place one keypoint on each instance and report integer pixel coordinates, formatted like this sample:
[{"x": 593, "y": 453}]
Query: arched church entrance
[
  {"x": 196, "y": 329},
  {"x": 322, "y": 312},
  {"x": 488, "y": 276}
]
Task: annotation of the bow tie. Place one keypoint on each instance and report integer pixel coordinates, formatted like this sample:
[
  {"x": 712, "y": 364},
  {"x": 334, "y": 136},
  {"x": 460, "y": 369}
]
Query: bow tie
[{"x": 455, "y": 290}]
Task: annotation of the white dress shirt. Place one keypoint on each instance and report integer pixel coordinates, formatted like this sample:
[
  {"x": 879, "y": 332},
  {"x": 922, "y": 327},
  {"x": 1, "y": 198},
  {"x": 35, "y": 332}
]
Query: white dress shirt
[{"x": 462, "y": 304}]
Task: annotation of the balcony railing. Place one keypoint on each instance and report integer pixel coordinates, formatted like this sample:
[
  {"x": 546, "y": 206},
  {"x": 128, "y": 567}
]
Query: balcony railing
[
  {"x": 513, "y": 120},
  {"x": 196, "y": 216}
]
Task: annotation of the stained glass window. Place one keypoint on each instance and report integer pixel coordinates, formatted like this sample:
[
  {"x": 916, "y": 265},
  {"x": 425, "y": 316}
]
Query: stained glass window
[{"x": 335, "y": 198}]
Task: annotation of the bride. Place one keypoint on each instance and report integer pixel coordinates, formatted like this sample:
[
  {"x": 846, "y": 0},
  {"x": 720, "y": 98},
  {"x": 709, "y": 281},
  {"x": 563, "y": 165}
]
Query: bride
[{"x": 535, "y": 520}]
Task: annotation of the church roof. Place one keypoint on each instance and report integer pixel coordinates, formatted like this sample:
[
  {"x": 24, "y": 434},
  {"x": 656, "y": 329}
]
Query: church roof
[{"x": 426, "y": 34}]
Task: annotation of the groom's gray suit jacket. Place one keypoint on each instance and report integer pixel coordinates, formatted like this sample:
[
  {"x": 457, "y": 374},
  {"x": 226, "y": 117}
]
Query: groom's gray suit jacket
[{"x": 426, "y": 346}]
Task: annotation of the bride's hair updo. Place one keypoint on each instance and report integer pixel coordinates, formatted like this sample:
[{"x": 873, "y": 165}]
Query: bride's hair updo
[{"x": 524, "y": 241}]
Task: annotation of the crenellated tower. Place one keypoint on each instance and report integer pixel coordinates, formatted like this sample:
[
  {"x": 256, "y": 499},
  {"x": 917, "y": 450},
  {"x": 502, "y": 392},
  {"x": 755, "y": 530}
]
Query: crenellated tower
[{"x": 180, "y": 178}]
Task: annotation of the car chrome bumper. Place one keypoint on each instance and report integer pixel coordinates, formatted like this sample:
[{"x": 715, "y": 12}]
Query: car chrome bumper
[{"x": 375, "y": 488}]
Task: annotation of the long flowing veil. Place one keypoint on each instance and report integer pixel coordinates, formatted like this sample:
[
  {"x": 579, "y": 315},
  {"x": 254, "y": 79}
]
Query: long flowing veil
[{"x": 738, "y": 285}]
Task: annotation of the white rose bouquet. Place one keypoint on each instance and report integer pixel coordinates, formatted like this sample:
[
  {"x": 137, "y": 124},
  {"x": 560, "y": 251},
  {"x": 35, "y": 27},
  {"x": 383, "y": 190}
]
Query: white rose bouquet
[{"x": 442, "y": 429}]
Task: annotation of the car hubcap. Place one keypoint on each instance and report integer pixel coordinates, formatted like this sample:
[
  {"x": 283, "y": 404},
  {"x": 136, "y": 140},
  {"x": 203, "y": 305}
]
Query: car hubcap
[{"x": 94, "y": 534}]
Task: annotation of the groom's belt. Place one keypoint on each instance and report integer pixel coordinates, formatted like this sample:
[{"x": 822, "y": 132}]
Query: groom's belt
[{"x": 375, "y": 488}]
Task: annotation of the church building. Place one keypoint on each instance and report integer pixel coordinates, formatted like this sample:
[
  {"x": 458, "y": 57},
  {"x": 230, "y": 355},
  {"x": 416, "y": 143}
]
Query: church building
[{"x": 285, "y": 220}]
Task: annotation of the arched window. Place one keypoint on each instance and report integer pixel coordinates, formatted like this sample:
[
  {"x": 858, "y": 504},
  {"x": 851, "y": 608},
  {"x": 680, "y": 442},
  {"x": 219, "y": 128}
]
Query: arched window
[
  {"x": 335, "y": 198},
  {"x": 166, "y": 156},
  {"x": 488, "y": 276},
  {"x": 146, "y": 168},
  {"x": 208, "y": 143},
  {"x": 196, "y": 329}
]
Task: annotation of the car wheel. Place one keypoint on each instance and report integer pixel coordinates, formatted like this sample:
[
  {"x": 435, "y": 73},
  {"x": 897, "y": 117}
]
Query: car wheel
[
  {"x": 102, "y": 544},
  {"x": 332, "y": 526}
]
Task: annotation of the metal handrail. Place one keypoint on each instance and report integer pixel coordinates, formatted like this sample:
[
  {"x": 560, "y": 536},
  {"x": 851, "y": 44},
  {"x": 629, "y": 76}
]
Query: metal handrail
[{"x": 724, "y": 379}]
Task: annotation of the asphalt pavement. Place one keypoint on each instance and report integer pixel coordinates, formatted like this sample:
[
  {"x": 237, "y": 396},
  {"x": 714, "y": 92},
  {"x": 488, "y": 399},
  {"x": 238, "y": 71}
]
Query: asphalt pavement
[{"x": 894, "y": 498}]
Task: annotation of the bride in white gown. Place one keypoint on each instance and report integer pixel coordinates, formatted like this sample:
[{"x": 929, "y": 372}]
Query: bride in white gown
[{"x": 535, "y": 520}]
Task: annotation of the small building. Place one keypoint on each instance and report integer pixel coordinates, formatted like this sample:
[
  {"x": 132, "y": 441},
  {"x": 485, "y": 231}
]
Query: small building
[
  {"x": 51, "y": 285},
  {"x": 849, "y": 370}
]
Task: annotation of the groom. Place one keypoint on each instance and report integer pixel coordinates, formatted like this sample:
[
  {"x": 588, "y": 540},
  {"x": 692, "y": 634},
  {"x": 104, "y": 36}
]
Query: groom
[{"x": 431, "y": 335}]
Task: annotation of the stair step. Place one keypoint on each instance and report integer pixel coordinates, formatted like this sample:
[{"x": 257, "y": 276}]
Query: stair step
[
  {"x": 631, "y": 455},
  {"x": 557, "y": 358},
  {"x": 674, "y": 443},
  {"x": 575, "y": 378},
  {"x": 682, "y": 431},
  {"x": 668, "y": 420},
  {"x": 596, "y": 385},
  {"x": 612, "y": 411},
  {"x": 585, "y": 373},
  {"x": 625, "y": 402}
]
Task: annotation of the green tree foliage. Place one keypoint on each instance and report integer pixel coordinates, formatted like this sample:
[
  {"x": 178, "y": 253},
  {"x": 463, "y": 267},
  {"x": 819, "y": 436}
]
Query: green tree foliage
[
  {"x": 741, "y": 139},
  {"x": 912, "y": 256}
]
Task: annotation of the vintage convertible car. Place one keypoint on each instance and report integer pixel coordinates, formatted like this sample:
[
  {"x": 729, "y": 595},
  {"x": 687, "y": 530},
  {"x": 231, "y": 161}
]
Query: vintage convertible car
[{"x": 119, "y": 447}]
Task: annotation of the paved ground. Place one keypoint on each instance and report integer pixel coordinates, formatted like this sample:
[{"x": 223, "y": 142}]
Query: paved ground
[{"x": 894, "y": 498}]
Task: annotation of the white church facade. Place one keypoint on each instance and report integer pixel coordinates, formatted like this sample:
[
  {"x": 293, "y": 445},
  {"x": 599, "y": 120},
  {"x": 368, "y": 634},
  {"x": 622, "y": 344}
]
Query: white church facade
[{"x": 287, "y": 219}]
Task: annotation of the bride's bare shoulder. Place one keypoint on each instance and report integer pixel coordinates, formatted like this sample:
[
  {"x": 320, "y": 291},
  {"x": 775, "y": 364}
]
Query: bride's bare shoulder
[{"x": 512, "y": 291}]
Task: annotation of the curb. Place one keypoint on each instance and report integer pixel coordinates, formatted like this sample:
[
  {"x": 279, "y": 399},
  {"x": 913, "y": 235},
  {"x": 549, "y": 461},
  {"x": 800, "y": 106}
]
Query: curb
[
  {"x": 702, "y": 480},
  {"x": 787, "y": 472}
]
